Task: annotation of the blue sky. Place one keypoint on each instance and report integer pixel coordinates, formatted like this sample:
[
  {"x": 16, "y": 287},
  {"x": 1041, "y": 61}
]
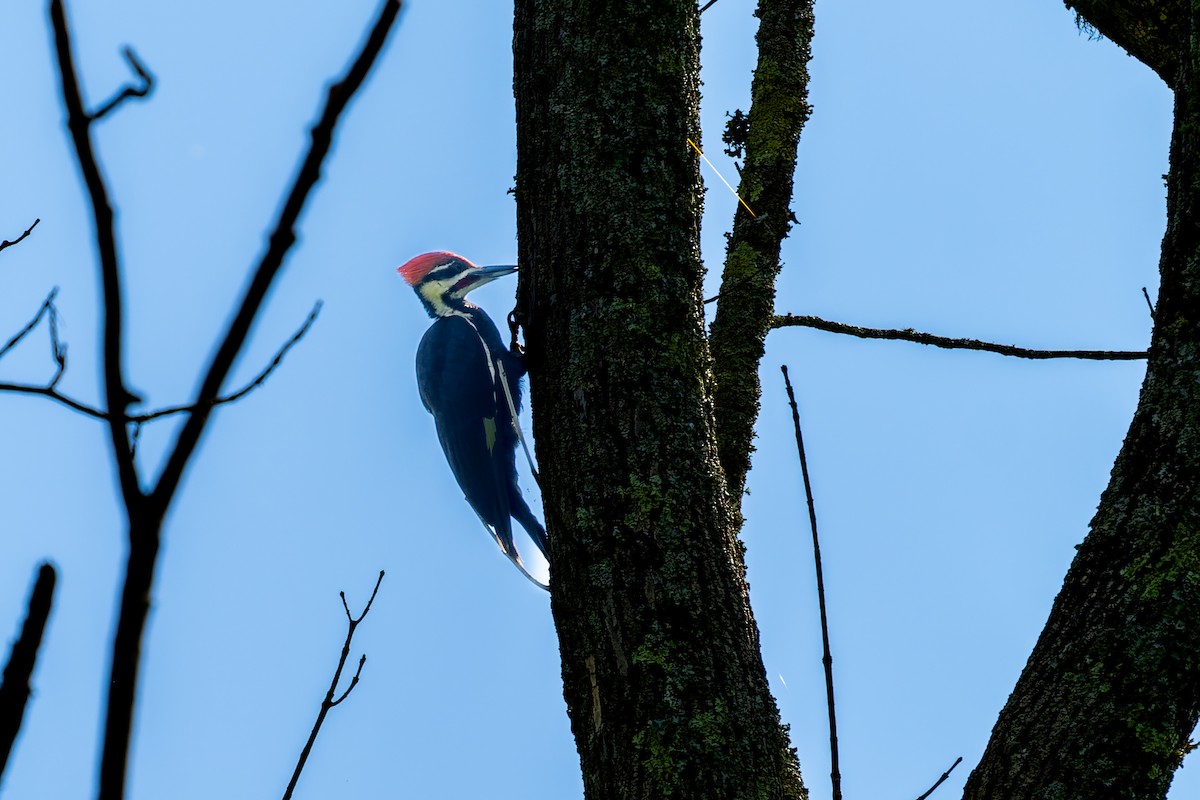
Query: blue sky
[{"x": 968, "y": 170}]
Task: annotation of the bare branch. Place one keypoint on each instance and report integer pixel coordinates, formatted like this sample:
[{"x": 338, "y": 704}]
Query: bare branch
[
  {"x": 117, "y": 397},
  {"x": 58, "y": 352},
  {"x": 139, "y": 419},
  {"x": 329, "y": 701},
  {"x": 146, "y": 512},
  {"x": 128, "y": 90},
  {"x": 56, "y": 396},
  {"x": 15, "y": 688},
  {"x": 353, "y": 681},
  {"x": 942, "y": 779},
  {"x": 835, "y": 774},
  {"x": 279, "y": 244},
  {"x": 6, "y": 243},
  {"x": 47, "y": 307},
  {"x": 909, "y": 335},
  {"x": 1149, "y": 305}
]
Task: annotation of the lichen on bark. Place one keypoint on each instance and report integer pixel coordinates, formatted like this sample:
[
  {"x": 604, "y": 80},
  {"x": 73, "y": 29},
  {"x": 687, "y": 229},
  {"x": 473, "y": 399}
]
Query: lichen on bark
[{"x": 662, "y": 672}]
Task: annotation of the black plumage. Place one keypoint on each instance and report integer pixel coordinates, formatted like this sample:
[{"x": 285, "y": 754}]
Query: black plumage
[{"x": 462, "y": 368}]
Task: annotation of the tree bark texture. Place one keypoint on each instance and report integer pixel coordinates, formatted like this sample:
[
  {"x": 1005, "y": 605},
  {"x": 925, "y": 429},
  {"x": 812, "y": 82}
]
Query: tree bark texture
[
  {"x": 1154, "y": 32},
  {"x": 746, "y": 308},
  {"x": 662, "y": 674},
  {"x": 1111, "y": 692}
]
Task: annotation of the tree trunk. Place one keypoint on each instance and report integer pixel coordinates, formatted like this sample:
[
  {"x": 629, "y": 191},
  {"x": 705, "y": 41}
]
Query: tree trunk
[
  {"x": 779, "y": 108},
  {"x": 662, "y": 673},
  {"x": 1111, "y": 692}
]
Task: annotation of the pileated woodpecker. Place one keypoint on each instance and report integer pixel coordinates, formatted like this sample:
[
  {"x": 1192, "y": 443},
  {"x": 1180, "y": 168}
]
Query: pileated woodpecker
[{"x": 471, "y": 383}]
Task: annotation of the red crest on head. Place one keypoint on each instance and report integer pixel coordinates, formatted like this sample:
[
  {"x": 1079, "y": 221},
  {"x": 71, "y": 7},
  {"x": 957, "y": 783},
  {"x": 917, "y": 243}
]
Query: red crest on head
[{"x": 416, "y": 269}]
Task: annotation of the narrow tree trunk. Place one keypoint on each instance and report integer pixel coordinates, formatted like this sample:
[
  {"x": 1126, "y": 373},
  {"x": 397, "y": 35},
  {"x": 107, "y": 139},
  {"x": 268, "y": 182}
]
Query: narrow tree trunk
[
  {"x": 746, "y": 307},
  {"x": 145, "y": 532},
  {"x": 662, "y": 674},
  {"x": 1111, "y": 692}
]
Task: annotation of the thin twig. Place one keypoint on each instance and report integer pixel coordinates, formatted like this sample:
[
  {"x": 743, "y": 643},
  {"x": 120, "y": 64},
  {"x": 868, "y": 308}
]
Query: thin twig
[
  {"x": 909, "y": 335},
  {"x": 6, "y": 243},
  {"x": 58, "y": 353},
  {"x": 56, "y": 396},
  {"x": 128, "y": 90},
  {"x": 827, "y": 657},
  {"x": 942, "y": 779},
  {"x": 258, "y": 381},
  {"x": 15, "y": 688},
  {"x": 135, "y": 421},
  {"x": 329, "y": 701},
  {"x": 45, "y": 308},
  {"x": 1149, "y": 305},
  {"x": 707, "y": 5}
]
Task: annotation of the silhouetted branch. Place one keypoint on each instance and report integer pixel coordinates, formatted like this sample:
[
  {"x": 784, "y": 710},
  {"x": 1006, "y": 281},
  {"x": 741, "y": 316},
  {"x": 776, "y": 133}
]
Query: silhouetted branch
[
  {"x": 6, "y": 243},
  {"x": 146, "y": 511},
  {"x": 55, "y": 395},
  {"x": 116, "y": 397},
  {"x": 15, "y": 688},
  {"x": 827, "y": 657},
  {"x": 59, "y": 354},
  {"x": 1149, "y": 305},
  {"x": 47, "y": 307},
  {"x": 259, "y": 380},
  {"x": 942, "y": 779},
  {"x": 329, "y": 702},
  {"x": 144, "y": 525},
  {"x": 128, "y": 90},
  {"x": 909, "y": 335},
  {"x": 280, "y": 242}
]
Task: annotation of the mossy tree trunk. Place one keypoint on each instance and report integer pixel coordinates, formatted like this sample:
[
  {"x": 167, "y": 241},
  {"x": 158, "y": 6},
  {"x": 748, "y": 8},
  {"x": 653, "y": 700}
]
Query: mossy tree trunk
[
  {"x": 1111, "y": 692},
  {"x": 662, "y": 674},
  {"x": 767, "y": 137}
]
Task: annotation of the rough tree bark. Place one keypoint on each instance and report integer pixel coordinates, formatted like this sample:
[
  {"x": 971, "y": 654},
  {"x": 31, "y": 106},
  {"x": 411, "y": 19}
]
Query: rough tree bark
[
  {"x": 1152, "y": 31},
  {"x": 662, "y": 674},
  {"x": 768, "y": 137},
  {"x": 1111, "y": 692}
]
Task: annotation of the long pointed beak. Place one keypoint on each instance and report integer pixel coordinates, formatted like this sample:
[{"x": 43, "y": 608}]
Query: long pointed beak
[{"x": 483, "y": 275}]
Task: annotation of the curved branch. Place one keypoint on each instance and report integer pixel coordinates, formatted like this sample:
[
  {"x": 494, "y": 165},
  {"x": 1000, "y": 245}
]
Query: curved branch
[
  {"x": 942, "y": 779},
  {"x": 58, "y": 352},
  {"x": 909, "y": 335},
  {"x": 128, "y": 91},
  {"x": 6, "y": 243},
  {"x": 259, "y": 380}
]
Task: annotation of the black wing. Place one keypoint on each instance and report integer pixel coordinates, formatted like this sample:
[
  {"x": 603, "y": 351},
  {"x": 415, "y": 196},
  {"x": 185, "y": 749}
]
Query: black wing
[{"x": 458, "y": 384}]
